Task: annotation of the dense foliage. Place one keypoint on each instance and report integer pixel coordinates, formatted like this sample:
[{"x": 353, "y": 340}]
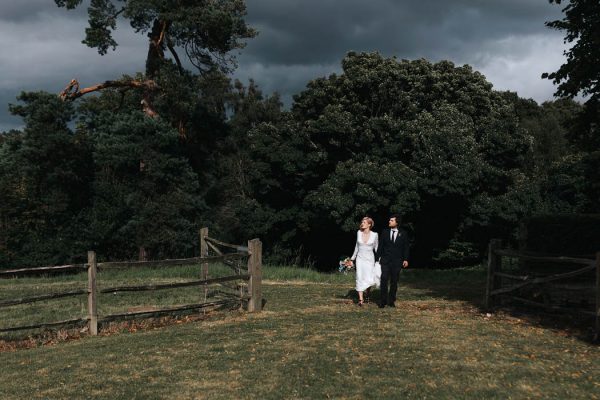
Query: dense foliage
[
  {"x": 435, "y": 142},
  {"x": 432, "y": 141},
  {"x": 580, "y": 75}
]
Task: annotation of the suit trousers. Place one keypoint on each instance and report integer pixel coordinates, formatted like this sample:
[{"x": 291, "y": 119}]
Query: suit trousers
[{"x": 389, "y": 273}]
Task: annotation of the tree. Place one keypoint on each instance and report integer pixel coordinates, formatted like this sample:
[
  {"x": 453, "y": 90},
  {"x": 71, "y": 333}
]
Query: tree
[
  {"x": 426, "y": 140},
  {"x": 205, "y": 30},
  {"x": 45, "y": 175},
  {"x": 581, "y": 73},
  {"x": 229, "y": 166},
  {"x": 156, "y": 207},
  {"x": 551, "y": 124}
]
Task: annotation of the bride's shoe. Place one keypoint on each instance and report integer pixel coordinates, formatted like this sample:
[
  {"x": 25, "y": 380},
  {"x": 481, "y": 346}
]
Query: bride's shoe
[{"x": 360, "y": 303}]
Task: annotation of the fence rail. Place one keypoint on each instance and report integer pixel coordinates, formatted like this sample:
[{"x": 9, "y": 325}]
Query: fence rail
[
  {"x": 9, "y": 273},
  {"x": 495, "y": 290},
  {"x": 45, "y": 325},
  {"x": 174, "y": 285},
  {"x": 253, "y": 297},
  {"x": 33, "y": 299}
]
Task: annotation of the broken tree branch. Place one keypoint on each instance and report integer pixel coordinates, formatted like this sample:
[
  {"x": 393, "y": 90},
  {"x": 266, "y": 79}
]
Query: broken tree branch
[{"x": 72, "y": 91}]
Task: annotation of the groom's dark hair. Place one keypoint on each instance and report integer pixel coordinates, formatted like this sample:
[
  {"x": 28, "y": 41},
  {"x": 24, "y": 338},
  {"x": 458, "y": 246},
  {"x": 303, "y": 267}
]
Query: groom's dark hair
[{"x": 398, "y": 218}]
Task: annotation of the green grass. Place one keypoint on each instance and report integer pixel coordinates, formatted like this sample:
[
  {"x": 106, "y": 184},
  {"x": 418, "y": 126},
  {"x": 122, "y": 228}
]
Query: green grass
[
  {"x": 108, "y": 303},
  {"x": 312, "y": 341}
]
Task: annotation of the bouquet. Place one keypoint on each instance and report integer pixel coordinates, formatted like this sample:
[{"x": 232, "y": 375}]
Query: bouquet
[{"x": 345, "y": 265}]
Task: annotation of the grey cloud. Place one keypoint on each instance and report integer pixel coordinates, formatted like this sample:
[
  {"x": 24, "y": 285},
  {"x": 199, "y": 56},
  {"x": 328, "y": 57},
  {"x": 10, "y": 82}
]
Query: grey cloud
[
  {"x": 46, "y": 53},
  {"x": 314, "y": 35},
  {"x": 298, "y": 41},
  {"x": 317, "y": 31},
  {"x": 31, "y": 10},
  {"x": 286, "y": 80}
]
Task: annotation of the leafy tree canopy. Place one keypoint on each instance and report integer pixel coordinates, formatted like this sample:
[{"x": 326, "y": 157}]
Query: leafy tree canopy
[
  {"x": 422, "y": 139},
  {"x": 581, "y": 72},
  {"x": 205, "y": 30},
  {"x": 45, "y": 176}
]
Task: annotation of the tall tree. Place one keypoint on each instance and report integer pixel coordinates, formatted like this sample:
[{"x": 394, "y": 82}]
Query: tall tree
[
  {"x": 229, "y": 167},
  {"x": 45, "y": 175},
  {"x": 205, "y": 30},
  {"x": 581, "y": 73},
  {"x": 427, "y": 140},
  {"x": 155, "y": 208}
]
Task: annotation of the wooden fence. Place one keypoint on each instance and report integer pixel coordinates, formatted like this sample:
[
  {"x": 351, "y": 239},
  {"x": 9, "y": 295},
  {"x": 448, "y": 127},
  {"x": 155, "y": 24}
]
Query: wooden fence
[
  {"x": 252, "y": 274},
  {"x": 586, "y": 277}
]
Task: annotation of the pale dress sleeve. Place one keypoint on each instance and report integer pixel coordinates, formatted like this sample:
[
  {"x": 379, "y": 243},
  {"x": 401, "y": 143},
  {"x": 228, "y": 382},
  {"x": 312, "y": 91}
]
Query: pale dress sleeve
[
  {"x": 355, "y": 249},
  {"x": 376, "y": 242}
]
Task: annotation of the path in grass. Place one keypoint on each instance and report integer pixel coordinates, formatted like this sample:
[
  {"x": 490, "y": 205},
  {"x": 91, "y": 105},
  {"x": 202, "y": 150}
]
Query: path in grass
[{"x": 313, "y": 342}]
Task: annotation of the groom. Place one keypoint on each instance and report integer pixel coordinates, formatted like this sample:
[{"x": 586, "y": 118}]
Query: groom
[{"x": 393, "y": 256}]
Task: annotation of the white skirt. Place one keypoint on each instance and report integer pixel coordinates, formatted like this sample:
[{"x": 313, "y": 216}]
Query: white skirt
[{"x": 368, "y": 274}]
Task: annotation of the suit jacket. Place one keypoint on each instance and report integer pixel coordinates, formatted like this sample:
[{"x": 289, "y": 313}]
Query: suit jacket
[{"x": 393, "y": 253}]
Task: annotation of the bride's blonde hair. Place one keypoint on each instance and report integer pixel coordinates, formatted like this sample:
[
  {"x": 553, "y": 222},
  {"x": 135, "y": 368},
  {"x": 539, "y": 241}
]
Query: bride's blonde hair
[{"x": 369, "y": 221}]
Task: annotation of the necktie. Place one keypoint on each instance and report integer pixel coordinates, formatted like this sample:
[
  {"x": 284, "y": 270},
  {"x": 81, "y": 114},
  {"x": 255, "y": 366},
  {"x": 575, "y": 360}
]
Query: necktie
[{"x": 393, "y": 236}]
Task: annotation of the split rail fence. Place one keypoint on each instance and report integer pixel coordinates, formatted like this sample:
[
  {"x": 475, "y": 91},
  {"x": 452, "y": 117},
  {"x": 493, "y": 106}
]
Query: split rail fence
[
  {"x": 247, "y": 279},
  {"x": 539, "y": 289}
]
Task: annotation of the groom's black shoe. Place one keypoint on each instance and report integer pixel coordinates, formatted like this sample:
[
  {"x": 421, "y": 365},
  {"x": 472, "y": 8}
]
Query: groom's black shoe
[
  {"x": 380, "y": 305},
  {"x": 391, "y": 305}
]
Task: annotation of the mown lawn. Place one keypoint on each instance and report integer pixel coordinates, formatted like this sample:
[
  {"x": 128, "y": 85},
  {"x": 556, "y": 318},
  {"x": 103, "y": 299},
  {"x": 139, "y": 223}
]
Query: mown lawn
[{"x": 312, "y": 341}]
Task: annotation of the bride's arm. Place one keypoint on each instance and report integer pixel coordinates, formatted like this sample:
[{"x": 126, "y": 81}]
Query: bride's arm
[
  {"x": 379, "y": 249},
  {"x": 355, "y": 249}
]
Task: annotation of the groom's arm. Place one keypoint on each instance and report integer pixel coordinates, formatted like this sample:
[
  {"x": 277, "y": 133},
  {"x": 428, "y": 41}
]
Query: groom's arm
[
  {"x": 405, "y": 251},
  {"x": 381, "y": 246}
]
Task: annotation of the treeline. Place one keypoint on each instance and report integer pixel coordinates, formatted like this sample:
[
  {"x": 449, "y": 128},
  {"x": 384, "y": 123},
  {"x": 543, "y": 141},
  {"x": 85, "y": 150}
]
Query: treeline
[{"x": 460, "y": 161}]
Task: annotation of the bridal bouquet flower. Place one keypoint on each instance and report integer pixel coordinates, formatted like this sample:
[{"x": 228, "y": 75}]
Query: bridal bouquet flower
[{"x": 345, "y": 265}]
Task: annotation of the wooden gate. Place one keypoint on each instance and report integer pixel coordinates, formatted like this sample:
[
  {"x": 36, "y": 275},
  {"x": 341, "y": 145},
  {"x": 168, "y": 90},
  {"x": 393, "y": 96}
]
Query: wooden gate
[{"x": 539, "y": 289}]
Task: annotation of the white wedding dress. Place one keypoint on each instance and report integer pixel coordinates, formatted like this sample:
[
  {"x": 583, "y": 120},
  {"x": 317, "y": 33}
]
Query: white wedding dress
[{"x": 367, "y": 274}]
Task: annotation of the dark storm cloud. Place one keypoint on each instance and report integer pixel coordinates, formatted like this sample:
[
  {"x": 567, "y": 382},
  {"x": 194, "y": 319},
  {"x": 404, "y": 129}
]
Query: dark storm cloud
[
  {"x": 298, "y": 40},
  {"x": 319, "y": 31},
  {"x": 42, "y": 50},
  {"x": 15, "y": 11},
  {"x": 22, "y": 11},
  {"x": 302, "y": 40}
]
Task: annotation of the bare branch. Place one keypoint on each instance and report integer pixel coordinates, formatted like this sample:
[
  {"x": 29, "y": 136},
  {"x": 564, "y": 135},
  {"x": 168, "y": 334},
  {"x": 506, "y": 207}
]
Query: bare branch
[
  {"x": 72, "y": 91},
  {"x": 161, "y": 37},
  {"x": 147, "y": 106},
  {"x": 175, "y": 56}
]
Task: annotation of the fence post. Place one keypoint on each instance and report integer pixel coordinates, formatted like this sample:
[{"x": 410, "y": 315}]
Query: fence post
[
  {"x": 142, "y": 254},
  {"x": 493, "y": 267},
  {"x": 597, "y": 333},
  {"x": 255, "y": 272},
  {"x": 92, "y": 293},
  {"x": 204, "y": 253}
]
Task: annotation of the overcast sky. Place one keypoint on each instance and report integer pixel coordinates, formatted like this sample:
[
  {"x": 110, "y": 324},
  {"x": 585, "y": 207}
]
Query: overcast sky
[{"x": 298, "y": 40}]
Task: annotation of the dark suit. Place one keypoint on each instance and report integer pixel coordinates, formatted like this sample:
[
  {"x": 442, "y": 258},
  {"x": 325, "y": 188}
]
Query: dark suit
[{"x": 391, "y": 255}]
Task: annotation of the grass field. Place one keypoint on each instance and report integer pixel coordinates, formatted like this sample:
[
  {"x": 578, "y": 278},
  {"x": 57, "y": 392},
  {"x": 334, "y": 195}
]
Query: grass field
[{"x": 313, "y": 342}]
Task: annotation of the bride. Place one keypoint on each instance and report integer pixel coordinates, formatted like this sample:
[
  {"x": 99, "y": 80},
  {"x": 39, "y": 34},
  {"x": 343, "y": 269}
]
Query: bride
[{"x": 364, "y": 254}]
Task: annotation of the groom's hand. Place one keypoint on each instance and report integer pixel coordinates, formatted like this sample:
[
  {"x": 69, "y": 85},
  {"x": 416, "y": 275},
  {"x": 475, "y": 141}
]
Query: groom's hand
[{"x": 405, "y": 264}]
